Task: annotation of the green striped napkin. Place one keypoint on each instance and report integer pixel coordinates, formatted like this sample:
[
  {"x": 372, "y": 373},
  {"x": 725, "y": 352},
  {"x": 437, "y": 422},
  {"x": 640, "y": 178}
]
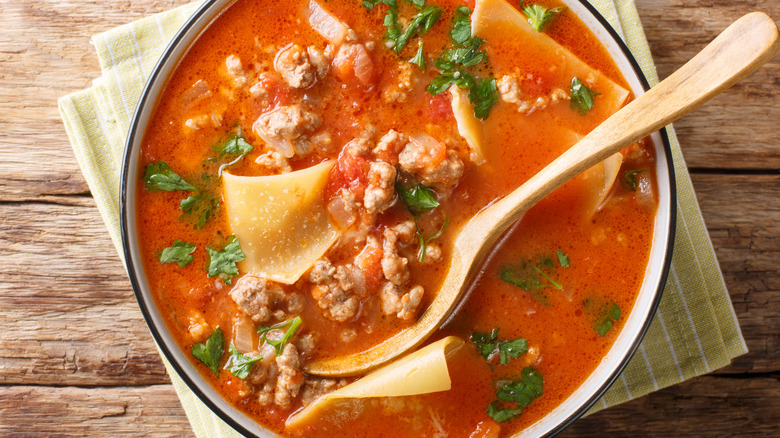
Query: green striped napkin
[{"x": 694, "y": 331}]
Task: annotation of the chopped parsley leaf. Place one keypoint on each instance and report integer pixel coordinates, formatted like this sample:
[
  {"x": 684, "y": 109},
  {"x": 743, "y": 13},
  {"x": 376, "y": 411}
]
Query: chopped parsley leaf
[
  {"x": 468, "y": 55},
  {"x": 553, "y": 283},
  {"x": 563, "y": 259},
  {"x": 604, "y": 324},
  {"x": 581, "y": 97},
  {"x": 419, "y": 199},
  {"x": 371, "y": 3},
  {"x": 236, "y": 145},
  {"x": 279, "y": 344},
  {"x": 630, "y": 178},
  {"x": 391, "y": 23},
  {"x": 483, "y": 93},
  {"x": 180, "y": 253},
  {"x": 419, "y": 58},
  {"x": 461, "y": 26},
  {"x": 200, "y": 207},
  {"x": 522, "y": 393},
  {"x": 160, "y": 178},
  {"x": 424, "y": 242},
  {"x": 456, "y": 76},
  {"x": 539, "y": 16},
  {"x": 487, "y": 344},
  {"x": 240, "y": 364},
  {"x": 210, "y": 352},
  {"x": 421, "y": 23},
  {"x": 511, "y": 349},
  {"x": 502, "y": 415},
  {"x": 222, "y": 264},
  {"x": 484, "y": 97},
  {"x": 532, "y": 277}
]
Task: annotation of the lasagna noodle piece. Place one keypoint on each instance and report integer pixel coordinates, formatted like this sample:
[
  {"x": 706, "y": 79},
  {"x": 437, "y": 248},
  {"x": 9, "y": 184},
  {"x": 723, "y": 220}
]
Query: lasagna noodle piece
[
  {"x": 281, "y": 221},
  {"x": 422, "y": 372}
]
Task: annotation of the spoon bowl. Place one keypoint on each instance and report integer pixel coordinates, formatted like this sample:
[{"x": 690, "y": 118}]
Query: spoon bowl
[{"x": 737, "y": 52}]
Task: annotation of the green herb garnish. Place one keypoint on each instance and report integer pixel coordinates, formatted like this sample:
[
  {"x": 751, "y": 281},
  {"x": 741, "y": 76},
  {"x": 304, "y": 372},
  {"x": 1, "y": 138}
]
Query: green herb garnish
[
  {"x": 461, "y": 25},
  {"x": 500, "y": 414},
  {"x": 424, "y": 242},
  {"x": 280, "y": 343},
  {"x": 456, "y": 76},
  {"x": 487, "y": 344},
  {"x": 483, "y": 93},
  {"x": 532, "y": 277},
  {"x": 563, "y": 259},
  {"x": 160, "y": 178},
  {"x": 180, "y": 253},
  {"x": 201, "y": 207},
  {"x": 604, "y": 324},
  {"x": 236, "y": 145},
  {"x": 240, "y": 364},
  {"x": 223, "y": 263},
  {"x": 210, "y": 352},
  {"x": 522, "y": 393},
  {"x": 468, "y": 55},
  {"x": 581, "y": 97},
  {"x": 421, "y": 23},
  {"x": 484, "y": 97},
  {"x": 419, "y": 58},
  {"x": 539, "y": 16},
  {"x": 371, "y": 3},
  {"x": 630, "y": 178},
  {"x": 419, "y": 199}
]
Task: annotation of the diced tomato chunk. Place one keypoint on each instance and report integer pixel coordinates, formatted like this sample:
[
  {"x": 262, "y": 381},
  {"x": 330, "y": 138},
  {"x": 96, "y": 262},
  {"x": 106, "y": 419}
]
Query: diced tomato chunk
[
  {"x": 439, "y": 107},
  {"x": 350, "y": 172}
]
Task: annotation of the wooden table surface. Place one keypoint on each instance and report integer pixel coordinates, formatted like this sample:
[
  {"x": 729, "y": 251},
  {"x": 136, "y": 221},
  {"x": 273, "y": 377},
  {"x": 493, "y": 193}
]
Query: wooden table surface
[{"x": 77, "y": 359}]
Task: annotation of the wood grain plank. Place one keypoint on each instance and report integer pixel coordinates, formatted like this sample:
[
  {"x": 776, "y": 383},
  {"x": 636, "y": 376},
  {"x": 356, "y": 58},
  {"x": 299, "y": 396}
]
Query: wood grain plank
[
  {"x": 708, "y": 406},
  {"x": 45, "y": 53},
  {"x": 741, "y": 213},
  {"x": 722, "y": 407},
  {"x": 734, "y": 130},
  {"x": 76, "y": 321},
  {"x": 31, "y": 411}
]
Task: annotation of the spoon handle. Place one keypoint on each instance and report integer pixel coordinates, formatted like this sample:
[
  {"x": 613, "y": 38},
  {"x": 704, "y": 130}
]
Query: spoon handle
[{"x": 737, "y": 52}]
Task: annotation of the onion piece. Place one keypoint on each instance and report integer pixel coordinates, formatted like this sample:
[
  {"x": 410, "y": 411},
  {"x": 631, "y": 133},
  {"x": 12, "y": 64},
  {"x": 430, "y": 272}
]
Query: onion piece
[
  {"x": 338, "y": 211},
  {"x": 243, "y": 334},
  {"x": 645, "y": 197},
  {"x": 330, "y": 27},
  {"x": 364, "y": 66},
  {"x": 198, "y": 91},
  {"x": 360, "y": 282}
]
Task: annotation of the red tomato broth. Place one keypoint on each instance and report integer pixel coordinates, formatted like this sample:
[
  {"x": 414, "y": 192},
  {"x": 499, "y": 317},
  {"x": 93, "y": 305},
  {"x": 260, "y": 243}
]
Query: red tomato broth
[{"x": 611, "y": 269}]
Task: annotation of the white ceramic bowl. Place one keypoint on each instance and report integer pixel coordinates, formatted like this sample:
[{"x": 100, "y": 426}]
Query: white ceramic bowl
[{"x": 573, "y": 407}]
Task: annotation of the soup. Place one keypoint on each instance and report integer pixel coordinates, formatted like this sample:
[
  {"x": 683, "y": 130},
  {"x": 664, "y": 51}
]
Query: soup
[{"x": 308, "y": 167}]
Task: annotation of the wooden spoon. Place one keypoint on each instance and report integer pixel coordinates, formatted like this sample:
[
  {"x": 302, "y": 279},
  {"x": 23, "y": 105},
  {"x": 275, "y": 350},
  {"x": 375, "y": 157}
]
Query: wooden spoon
[{"x": 738, "y": 51}]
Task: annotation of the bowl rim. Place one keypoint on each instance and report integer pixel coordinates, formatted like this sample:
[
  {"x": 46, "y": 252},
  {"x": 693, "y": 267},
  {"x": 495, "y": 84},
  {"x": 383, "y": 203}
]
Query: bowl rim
[{"x": 131, "y": 152}]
